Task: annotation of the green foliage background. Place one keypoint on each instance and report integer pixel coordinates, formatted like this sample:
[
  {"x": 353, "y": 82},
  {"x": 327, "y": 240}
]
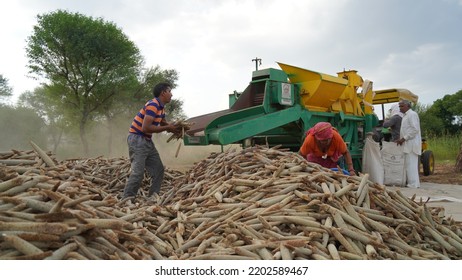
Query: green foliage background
[{"x": 445, "y": 148}]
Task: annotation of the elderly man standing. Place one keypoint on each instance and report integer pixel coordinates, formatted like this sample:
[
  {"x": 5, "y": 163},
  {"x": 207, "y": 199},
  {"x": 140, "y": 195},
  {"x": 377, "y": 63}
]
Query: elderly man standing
[{"x": 412, "y": 143}]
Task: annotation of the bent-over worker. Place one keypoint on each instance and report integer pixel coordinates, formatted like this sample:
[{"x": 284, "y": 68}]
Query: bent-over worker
[{"x": 325, "y": 146}]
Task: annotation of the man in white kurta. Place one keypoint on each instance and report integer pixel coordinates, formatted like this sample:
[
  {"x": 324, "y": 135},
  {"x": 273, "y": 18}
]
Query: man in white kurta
[{"x": 412, "y": 143}]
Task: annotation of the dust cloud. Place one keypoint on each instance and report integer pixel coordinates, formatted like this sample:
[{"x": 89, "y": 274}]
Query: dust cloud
[
  {"x": 107, "y": 140},
  {"x": 187, "y": 155}
]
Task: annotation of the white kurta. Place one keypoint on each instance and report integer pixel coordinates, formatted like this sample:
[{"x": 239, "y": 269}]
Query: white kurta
[{"x": 410, "y": 131}]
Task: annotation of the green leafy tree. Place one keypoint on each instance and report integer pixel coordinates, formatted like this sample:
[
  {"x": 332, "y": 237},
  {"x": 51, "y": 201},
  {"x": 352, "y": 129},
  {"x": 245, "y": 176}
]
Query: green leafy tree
[
  {"x": 455, "y": 107},
  {"x": 57, "y": 124},
  {"x": 174, "y": 110},
  {"x": 449, "y": 110},
  {"x": 18, "y": 126},
  {"x": 84, "y": 60},
  {"x": 118, "y": 113},
  {"x": 430, "y": 124},
  {"x": 5, "y": 90},
  {"x": 152, "y": 76},
  {"x": 147, "y": 79}
]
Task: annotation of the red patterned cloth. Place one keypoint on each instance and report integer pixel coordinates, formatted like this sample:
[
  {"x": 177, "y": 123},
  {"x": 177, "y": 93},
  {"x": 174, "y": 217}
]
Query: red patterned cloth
[
  {"x": 312, "y": 151},
  {"x": 322, "y": 131}
]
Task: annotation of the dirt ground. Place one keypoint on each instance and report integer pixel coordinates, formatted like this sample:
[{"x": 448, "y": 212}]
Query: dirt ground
[{"x": 444, "y": 174}]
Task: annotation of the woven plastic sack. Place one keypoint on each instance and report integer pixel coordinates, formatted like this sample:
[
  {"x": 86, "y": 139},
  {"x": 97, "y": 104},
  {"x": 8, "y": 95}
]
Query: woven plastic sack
[
  {"x": 393, "y": 164},
  {"x": 372, "y": 161}
]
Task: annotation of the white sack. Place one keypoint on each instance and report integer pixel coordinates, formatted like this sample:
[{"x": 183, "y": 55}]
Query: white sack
[
  {"x": 372, "y": 161},
  {"x": 393, "y": 164}
]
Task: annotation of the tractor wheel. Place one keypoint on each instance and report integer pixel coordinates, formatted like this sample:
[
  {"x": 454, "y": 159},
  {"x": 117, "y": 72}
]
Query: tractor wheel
[{"x": 428, "y": 162}]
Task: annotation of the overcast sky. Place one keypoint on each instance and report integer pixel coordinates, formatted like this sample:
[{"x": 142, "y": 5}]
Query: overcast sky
[{"x": 409, "y": 44}]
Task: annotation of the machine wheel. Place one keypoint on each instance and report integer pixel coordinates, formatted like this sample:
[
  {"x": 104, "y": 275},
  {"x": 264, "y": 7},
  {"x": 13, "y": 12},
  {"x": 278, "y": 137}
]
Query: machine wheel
[{"x": 428, "y": 162}]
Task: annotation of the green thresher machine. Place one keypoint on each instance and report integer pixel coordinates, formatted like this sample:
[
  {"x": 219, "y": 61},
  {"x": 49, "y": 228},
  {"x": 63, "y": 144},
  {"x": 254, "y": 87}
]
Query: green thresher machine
[{"x": 279, "y": 106}]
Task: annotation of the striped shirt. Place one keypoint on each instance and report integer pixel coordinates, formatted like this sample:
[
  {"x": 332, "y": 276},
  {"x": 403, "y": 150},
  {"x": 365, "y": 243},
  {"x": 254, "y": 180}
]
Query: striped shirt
[{"x": 153, "y": 108}]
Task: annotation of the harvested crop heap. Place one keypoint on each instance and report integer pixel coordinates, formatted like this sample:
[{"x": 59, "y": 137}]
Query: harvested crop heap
[{"x": 257, "y": 203}]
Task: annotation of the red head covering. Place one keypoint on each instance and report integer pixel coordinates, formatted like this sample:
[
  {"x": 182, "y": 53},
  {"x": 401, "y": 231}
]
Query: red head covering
[{"x": 321, "y": 131}]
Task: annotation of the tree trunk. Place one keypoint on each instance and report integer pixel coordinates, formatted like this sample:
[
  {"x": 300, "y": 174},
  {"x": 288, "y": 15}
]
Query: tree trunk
[
  {"x": 57, "y": 140},
  {"x": 83, "y": 138},
  {"x": 109, "y": 138},
  {"x": 458, "y": 166}
]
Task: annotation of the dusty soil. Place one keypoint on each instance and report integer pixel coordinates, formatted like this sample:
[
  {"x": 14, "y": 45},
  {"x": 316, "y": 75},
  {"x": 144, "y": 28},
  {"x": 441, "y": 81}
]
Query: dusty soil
[{"x": 444, "y": 174}]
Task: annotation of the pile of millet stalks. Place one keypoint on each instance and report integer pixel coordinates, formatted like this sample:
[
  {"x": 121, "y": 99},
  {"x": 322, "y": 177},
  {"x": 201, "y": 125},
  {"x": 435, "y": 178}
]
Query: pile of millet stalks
[{"x": 255, "y": 203}]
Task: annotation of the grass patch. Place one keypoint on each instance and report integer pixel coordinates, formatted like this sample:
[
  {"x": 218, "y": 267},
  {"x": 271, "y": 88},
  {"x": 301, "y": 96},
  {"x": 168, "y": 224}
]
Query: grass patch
[{"x": 445, "y": 148}]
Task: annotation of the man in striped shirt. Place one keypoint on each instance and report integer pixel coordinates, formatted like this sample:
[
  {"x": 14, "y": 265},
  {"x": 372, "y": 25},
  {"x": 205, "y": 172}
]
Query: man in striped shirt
[{"x": 143, "y": 154}]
